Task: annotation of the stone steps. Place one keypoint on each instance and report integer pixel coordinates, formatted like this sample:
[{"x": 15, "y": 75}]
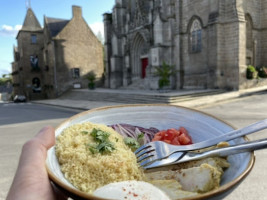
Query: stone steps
[{"x": 128, "y": 96}]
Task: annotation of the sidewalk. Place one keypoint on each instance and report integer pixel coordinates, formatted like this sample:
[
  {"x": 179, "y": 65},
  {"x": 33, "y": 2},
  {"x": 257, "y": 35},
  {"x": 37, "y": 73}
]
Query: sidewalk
[{"x": 197, "y": 102}]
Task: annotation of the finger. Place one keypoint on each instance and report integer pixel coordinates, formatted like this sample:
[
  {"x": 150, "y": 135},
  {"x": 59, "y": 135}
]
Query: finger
[{"x": 46, "y": 137}]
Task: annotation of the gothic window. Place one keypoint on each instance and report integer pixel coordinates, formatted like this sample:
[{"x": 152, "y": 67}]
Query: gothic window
[
  {"x": 195, "y": 36},
  {"x": 33, "y": 39}
]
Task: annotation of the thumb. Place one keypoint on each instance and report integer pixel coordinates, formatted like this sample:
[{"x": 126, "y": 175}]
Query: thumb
[{"x": 46, "y": 137}]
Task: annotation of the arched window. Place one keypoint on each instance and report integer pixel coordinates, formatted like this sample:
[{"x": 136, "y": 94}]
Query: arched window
[
  {"x": 195, "y": 36},
  {"x": 36, "y": 85},
  {"x": 249, "y": 41}
]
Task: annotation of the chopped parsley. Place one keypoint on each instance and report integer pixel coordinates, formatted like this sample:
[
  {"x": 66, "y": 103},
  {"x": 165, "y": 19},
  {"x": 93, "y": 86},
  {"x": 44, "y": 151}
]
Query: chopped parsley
[
  {"x": 84, "y": 132},
  {"x": 132, "y": 143},
  {"x": 99, "y": 135},
  {"x": 140, "y": 136},
  {"x": 103, "y": 145}
]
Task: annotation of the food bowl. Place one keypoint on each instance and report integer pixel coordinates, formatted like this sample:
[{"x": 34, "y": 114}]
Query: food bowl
[{"x": 200, "y": 125}]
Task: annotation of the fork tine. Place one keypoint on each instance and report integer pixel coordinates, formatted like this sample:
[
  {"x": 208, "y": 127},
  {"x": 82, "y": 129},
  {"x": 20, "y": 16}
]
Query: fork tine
[
  {"x": 162, "y": 162},
  {"x": 148, "y": 161},
  {"x": 145, "y": 146},
  {"x": 145, "y": 151},
  {"x": 145, "y": 156}
]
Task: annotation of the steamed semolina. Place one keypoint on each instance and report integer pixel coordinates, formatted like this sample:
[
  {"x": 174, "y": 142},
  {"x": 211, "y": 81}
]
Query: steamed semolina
[{"x": 88, "y": 171}]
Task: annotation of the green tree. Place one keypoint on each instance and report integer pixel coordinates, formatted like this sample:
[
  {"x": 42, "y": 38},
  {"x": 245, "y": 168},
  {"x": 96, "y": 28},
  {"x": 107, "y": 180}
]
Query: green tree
[{"x": 5, "y": 79}]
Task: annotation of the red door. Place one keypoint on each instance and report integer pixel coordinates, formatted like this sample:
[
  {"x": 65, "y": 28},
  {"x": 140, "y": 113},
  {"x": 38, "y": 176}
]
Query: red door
[{"x": 144, "y": 66}]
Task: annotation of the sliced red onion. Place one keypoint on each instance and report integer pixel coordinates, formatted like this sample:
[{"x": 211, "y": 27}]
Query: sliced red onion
[{"x": 127, "y": 130}]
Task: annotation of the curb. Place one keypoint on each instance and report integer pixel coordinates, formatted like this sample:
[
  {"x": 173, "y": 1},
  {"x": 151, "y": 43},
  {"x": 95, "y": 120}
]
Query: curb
[{"x": 204, "y": 101}]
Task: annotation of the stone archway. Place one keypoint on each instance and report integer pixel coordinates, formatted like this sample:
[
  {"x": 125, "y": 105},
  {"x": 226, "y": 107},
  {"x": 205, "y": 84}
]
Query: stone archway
[{"x": 138, "y": 54}]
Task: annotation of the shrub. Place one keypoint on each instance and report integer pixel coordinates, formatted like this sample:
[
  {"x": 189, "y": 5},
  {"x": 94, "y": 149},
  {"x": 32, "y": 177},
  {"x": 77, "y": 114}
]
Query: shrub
[
  {"x": 164, "y": 72},
  {"x": 251, "y": 72},
  {"x": 91, "y": 78},
  {"x": 262, "y": 72}
]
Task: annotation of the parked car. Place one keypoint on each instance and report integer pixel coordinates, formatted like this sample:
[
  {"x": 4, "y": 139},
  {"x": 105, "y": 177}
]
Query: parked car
[{"x": 19, "y": 98}]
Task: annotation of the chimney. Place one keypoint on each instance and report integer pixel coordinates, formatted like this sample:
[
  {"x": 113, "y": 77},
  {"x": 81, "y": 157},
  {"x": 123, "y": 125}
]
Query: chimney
[{"x": 76, "y": 12}]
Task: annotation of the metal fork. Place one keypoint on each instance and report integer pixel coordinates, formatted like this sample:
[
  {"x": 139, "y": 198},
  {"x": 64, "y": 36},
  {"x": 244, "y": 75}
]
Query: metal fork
[
  {"x": 158, "y": 150},
  {"x": 186, "y": 156}
]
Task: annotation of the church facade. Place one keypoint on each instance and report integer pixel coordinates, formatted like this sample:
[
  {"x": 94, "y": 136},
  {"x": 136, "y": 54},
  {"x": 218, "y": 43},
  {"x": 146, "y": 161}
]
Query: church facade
[
  {"x": 50, "y": 60},
  {"x": 209, "y": 42}
]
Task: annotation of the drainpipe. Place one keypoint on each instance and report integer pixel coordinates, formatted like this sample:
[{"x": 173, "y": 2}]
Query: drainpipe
[{"x": 55, "y": 69}]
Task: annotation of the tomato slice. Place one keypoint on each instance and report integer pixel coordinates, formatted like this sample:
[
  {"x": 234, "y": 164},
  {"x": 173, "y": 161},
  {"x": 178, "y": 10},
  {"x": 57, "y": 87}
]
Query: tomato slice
[
  {"x": 174, "y": 136},
  {"x": 158, "y": 136},
  {"x": 175, "y": 141},
  {"x": 170, "y": 134},
  {"x": 184, "y": 139}
]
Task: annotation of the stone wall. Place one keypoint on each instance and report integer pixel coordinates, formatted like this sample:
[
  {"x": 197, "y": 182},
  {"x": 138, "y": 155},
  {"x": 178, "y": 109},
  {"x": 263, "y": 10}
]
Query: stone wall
[
  {"x": 27, "y": 73},
  {"x": 263, "y": 42},
  {"x": 197, "y": 66},
  {"x": 77, "y": 47},
  {"x": 73, "y": 46},
  {"x": 164, "y": 30}
]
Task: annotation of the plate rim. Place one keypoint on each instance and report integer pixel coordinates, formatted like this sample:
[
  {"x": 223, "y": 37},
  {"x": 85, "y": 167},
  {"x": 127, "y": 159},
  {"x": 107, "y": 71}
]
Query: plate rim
[{"x": 210, "y": 194}]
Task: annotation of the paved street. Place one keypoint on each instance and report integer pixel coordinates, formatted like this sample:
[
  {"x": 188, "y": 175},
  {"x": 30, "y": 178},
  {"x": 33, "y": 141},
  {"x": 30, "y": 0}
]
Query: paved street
[{"x": 19, "y": 122}]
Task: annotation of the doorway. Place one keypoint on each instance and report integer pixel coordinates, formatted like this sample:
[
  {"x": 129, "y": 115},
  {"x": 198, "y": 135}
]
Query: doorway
[{"x": 144, "y": 63}]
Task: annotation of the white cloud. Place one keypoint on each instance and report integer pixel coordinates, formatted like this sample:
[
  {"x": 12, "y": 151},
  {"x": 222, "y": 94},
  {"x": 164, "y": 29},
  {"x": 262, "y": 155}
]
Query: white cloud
[
  {"x": 97, "y": 27},
  {"x": 4, "y": 71},
  {"x": 9, "y": 31}
]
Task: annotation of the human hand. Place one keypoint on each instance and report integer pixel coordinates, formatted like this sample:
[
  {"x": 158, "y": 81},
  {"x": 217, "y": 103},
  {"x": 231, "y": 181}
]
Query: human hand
[{"x": 31, "y": 180}]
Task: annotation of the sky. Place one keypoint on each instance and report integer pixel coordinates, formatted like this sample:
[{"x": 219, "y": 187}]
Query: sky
[{"x": 13, "y": 12}]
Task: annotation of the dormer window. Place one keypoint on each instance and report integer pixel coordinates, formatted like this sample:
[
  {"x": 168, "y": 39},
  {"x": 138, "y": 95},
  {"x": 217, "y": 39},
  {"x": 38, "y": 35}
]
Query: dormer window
[{"x": 33, "y": 39}]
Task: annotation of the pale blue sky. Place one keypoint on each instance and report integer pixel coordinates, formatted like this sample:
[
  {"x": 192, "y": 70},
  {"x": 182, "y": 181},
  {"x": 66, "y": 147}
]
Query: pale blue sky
[{"x": 12, "y": 14}]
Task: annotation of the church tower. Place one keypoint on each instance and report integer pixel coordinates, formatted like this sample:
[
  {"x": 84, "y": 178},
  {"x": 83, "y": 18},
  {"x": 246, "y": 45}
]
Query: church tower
[{"x": 30, "y": 64}]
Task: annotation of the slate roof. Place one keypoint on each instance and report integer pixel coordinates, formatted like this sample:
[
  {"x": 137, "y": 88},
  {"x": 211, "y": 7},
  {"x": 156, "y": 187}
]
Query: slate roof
[
  {"x": 55, "y": 25},
  {"x": 31, "y": 23}
]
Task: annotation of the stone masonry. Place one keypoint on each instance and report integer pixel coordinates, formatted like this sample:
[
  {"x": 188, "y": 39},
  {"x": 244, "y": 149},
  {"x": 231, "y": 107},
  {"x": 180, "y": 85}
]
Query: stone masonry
[
  {"x": 210, "y": 43},
  {"x": 66, "y": 51}
]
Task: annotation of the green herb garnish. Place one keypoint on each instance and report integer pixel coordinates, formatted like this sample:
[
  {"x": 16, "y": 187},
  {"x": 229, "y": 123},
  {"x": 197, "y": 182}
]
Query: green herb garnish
[
  {"x": 105, "y": 147},
  {"x": 132, "y": 143},
  {"x": 99, "y": 135},
  {"x": 140, "y": 136},
  {"x": 103, "y": 144},
  {"x": 93, "y": 149},
  {"x": 84, "y": 132}
]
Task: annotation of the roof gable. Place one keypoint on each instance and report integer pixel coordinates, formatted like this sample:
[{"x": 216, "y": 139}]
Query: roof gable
[{"x": 55, "y": 26}]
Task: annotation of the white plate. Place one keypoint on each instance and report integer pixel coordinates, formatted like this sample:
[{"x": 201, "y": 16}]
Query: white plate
[{"x": 201, "y": 126}]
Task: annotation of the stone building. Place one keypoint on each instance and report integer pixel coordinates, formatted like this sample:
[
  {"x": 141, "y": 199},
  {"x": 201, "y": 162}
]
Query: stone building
[
  {"x": 210, "y": 42},
  {"x": 49, "y": 61}
]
